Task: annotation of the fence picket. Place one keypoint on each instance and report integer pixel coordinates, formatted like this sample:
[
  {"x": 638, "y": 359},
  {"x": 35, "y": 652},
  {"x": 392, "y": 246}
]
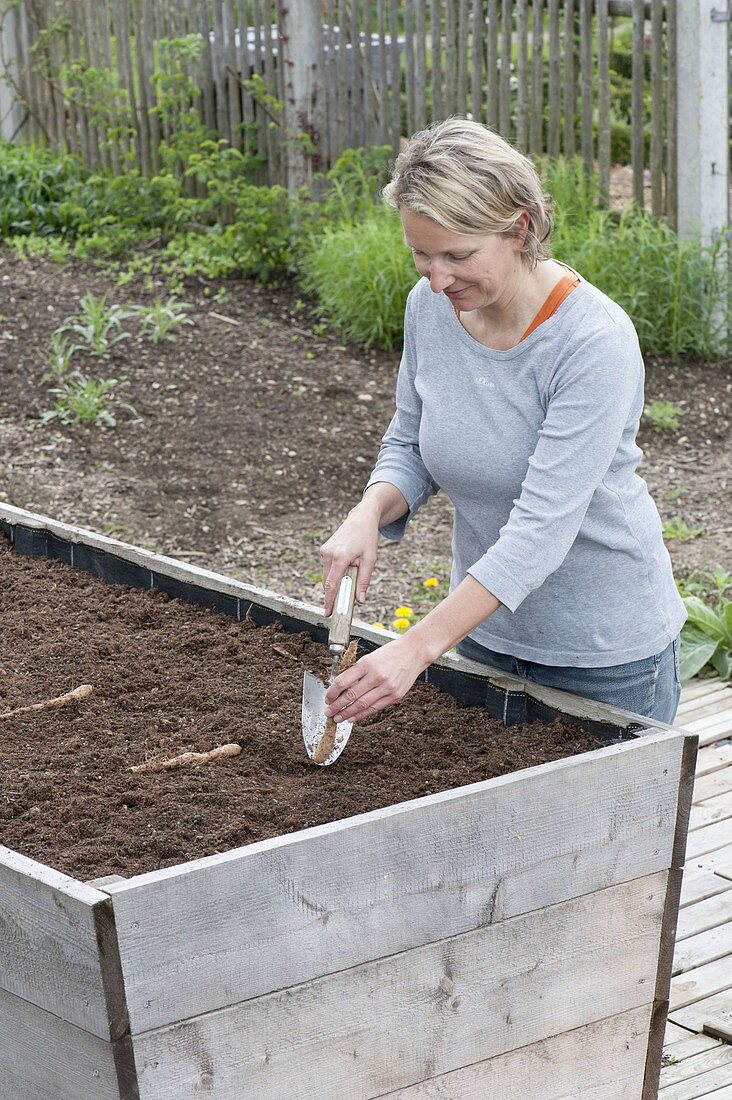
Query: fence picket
[
  {"x": 436, "y": 43},
  {"x": 671, "y": 205},
  {"x": 554, "y": 79},
  {"x": 505, "y": 82},
  {"x": 492, "y": 63},
  {"x": 537, "y": 79},
  {"x": 462, "y": 57},
  {"x": 409, "y": 62},
  {"x": 396, "y": 76},
  {"x": 570, "y": 82},
  {"x": 657, "y": 119},
  {"x": 587, "y": 69},
  {"x": 603, "y": 102},
  {"x": 637, "y": 151},
  {"x": 522, "y": 113}
]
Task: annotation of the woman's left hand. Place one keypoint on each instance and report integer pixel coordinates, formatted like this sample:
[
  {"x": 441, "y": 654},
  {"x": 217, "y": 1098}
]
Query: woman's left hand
[{"x": 375, "y": 681}]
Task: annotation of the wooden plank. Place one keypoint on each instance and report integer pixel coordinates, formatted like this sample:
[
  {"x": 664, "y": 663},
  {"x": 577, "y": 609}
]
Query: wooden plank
[
  {"x": 711, "y": 786},
  {"x": 702, "y": 1085},
  {"x": 710, "y": 838},
  {"x": 712, "y": 1009},
  {"x": 468, "y": 998},
  {"x": 701, "y": 883},
  {"x": 337, "y": 895},
  {"x": 706, "y": 947},
  {"x": 713, "y": 758},
  {"x": 714, "y": 809},
  {"x": 704, "y": 915},
  {"x": 45, "y": 1058},
  {"x": 703, "y": 725},
  {"x": 725, "y": 871},
  {"x": 718, "y": 1055},
  {"x": 49, "y": 949},
  {"x": 721, "y": 731},
  {"x": 704, "y": 981},
  {"x": 596, "y": 1061},
  {"x": 721, "y": 698},
  {"x": 695, "y": 688},
  {"x": 492, "y": 75},
  {"x": 682, "y": 1044}
]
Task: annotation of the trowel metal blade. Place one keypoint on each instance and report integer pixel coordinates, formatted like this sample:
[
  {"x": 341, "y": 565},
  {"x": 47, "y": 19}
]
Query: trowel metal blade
[{"x": 314, "y": 718}]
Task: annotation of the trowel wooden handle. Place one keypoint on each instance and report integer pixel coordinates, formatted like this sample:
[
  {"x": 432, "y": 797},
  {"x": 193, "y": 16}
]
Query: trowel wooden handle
[{"x": 339, "y": 632}]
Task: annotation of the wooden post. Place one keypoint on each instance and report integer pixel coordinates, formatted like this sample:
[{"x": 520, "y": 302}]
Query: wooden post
[
  {"x": 702, "y": 124},
  {"x": 302, "y": 31},
  {"x": 11, "y": 112}
]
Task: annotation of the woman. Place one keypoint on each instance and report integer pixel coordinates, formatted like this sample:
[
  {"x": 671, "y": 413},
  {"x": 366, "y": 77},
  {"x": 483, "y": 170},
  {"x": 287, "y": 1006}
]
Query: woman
[{"x": 519, "y": 393}]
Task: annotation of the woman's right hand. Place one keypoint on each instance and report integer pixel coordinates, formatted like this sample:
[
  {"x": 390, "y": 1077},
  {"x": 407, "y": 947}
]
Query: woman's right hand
[{"x": 354, "y": 543}]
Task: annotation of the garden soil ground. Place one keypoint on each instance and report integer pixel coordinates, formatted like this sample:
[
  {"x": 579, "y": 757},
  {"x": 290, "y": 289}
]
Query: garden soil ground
[
  {"x": 169, "y": 677},
  {"x": 254, "y": 433}
]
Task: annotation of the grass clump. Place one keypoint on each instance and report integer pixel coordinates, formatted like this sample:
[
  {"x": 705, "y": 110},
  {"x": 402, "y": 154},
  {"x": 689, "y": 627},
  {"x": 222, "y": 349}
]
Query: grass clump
[{"x": 361, "y": 275}]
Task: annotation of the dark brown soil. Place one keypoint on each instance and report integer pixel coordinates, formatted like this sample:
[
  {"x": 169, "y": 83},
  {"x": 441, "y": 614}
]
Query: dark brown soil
[
  {"x": 169, "y": 677},
  {"x": 255, "y": 434}
]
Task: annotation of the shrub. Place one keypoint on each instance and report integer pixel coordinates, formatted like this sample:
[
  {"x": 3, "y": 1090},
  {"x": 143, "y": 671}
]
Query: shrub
[{"x": 34, "y": 186}]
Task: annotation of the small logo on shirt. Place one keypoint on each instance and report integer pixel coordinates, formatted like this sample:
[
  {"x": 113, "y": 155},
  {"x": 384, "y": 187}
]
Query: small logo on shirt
[{"x": 483, "y": 381}]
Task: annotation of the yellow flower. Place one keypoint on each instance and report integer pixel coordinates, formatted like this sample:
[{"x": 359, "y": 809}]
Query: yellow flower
[
  {"x": 400, "y": 624},
  {"x": 431, "y": 582},
  {"x": 378, "y": 626},
  {"x": 403, "y": 612}
]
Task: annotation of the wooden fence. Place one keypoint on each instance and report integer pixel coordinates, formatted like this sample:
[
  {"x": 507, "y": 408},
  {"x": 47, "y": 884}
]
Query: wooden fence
[{"x": 105, "y": 79}]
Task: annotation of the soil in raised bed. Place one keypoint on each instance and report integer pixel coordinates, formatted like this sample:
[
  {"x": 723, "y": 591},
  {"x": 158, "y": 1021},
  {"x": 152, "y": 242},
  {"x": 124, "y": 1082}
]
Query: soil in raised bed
[{"x": 169, "y": 677}]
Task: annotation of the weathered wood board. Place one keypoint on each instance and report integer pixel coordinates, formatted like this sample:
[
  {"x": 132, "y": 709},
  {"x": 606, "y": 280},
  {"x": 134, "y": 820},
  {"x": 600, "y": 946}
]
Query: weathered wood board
[
  {"x": 45, "y": 1058},
  {"x": 468, "y": 998},
  {"x": 294, "y": 908},
  {"x": 53, "y": 932}
]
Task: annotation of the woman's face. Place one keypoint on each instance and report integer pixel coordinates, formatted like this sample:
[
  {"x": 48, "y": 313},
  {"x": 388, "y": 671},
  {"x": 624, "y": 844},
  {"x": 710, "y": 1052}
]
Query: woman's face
[{"x": 473, "y": 271}]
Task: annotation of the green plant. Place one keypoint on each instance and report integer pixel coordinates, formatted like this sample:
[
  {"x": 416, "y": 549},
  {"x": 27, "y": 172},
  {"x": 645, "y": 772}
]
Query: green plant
[
  {"x": 711, "y": 584},
  {"x": 159, "y": 320},
  {"x": 83, "y": 400},
  {"x": 664, "y": 415},
  {"x": 676, "y": 528},
  {"x": 706, "y": 638},
  {"x": 59, "y": 358},
  {"x": 98, "y": 326},
  {"x": 361, "y": 275}
]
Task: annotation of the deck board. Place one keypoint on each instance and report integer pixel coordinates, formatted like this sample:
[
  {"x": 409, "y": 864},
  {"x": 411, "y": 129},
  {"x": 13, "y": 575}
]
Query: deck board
[{"x": 701, "y": 993}]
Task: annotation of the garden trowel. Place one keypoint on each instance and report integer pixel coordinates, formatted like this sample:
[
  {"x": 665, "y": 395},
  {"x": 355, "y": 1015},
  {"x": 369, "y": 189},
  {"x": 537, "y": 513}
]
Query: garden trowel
[{"x": 324, "y": 739}]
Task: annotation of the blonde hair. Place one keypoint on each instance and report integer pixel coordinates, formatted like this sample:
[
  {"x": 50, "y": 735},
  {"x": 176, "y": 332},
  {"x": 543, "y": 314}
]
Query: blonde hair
[{"x": 469, "y": 180}]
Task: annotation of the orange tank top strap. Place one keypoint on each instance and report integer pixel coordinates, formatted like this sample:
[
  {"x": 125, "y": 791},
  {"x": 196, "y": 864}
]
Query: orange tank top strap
[{"x": 562, "y": 290}]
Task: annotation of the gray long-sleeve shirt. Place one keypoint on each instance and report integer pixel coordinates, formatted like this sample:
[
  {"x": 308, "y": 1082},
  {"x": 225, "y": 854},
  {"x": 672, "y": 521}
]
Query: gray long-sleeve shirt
[{"x": 535, "y": 447}]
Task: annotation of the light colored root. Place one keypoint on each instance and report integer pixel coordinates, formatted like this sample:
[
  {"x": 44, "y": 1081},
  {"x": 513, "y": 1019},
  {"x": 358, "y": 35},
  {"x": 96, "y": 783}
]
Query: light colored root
[
  {"x": 60, "y": 700},
  {"x": 327, "y": 742},
  {"x": 187, "y": 758}
]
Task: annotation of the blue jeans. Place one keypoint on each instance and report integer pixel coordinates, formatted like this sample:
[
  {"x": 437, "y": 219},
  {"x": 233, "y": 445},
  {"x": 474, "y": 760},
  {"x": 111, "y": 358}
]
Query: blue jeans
[{"x": 650, "y": 687}]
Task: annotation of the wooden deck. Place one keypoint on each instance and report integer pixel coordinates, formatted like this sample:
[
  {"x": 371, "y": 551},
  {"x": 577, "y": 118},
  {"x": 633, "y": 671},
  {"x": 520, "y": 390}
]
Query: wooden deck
[{"x": 698, "y": 1047}]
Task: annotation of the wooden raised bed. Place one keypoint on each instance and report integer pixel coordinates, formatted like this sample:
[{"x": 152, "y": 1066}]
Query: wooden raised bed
[{"x": 512, "y": 938}]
